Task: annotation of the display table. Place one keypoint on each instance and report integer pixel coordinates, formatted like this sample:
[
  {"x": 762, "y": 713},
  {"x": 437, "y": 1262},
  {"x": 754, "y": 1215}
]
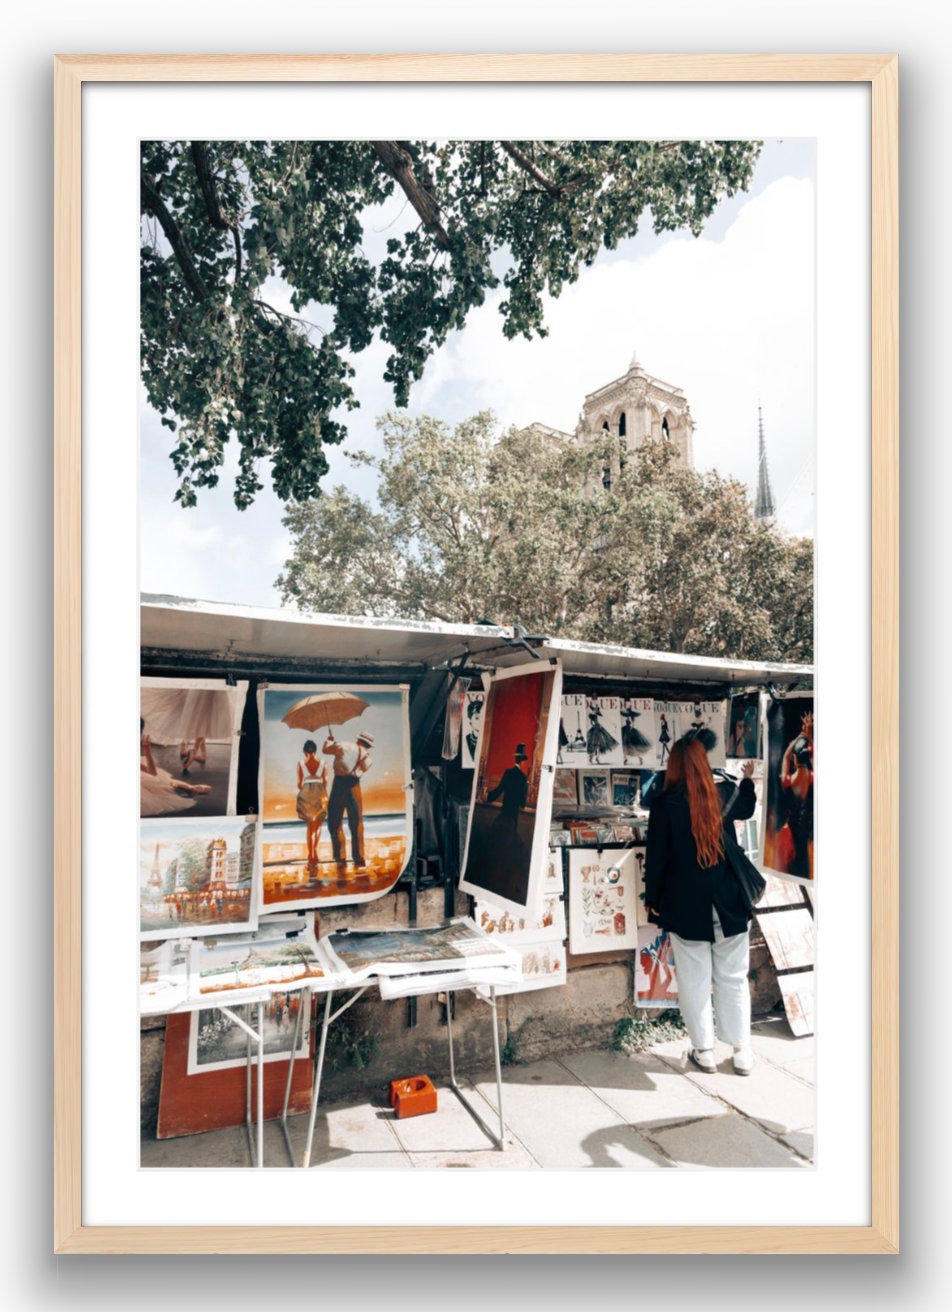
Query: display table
[{"x": 480, "y": 981}]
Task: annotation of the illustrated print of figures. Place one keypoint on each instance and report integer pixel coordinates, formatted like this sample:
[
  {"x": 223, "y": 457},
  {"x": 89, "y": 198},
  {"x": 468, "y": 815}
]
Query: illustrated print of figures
[
  {"x": 472, "y": 724},
  {"x": 351, "y": 762},
  {"x": 573, "y": 735},
  {"x": 633, "y": 741},
  {"x": 193, "y": 730},
  {"x": 664, "y": 738},
  {"x": 159, "y": 792},
  {"x": 599, "y": 743},
  {"x": 656, "y": 984}
]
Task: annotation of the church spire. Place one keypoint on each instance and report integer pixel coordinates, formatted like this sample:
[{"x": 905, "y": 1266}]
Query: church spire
[{"x": 764, "y": 507}]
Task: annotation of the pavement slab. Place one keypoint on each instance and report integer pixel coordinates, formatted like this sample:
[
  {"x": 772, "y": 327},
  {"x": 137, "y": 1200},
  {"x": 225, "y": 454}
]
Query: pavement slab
[
  {"x": 451, "y": 1128},
  {"x": 768, "y": 1095},
  {"x": 774, "y": 1040},
  {"x": 640, "y": 1087},
  {"x": 564, "y": 1124},
  {"x": 723, "y": 1141}
]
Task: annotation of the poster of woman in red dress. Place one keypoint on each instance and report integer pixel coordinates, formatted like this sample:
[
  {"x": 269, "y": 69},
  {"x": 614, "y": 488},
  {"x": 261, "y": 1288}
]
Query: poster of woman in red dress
[{"x": 789, "y": 777}]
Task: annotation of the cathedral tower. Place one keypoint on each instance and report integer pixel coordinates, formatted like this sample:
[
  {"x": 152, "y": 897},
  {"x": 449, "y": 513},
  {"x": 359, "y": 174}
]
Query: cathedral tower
[{"x": 764, "y": 507}]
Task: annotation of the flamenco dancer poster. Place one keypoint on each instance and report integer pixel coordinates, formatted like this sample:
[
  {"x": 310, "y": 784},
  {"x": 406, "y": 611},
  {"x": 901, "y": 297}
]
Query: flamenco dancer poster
[
  {"x": 335, "y": 792},
  {"x": 789, "y": 776},
  {"x": 511, "y": 808},
  {"x": 188, "y": 746}
]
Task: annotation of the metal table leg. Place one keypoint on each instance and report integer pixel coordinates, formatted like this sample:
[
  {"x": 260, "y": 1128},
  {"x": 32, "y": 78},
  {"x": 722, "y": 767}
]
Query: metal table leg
[{"x": 498, "y": 1139}]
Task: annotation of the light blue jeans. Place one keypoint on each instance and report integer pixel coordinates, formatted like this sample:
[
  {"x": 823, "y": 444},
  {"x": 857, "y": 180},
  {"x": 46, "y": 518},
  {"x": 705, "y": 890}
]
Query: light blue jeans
[{"x": 723, "y": 964}]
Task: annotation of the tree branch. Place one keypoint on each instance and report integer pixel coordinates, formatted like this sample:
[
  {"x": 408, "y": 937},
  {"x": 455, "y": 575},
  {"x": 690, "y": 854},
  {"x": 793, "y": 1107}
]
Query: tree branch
[
  {"x": 217, "y": 217},
  {"x": 399, "y": 164},
  {"x": 154, "y": 204},
  {"x": 528, "y": 166}
]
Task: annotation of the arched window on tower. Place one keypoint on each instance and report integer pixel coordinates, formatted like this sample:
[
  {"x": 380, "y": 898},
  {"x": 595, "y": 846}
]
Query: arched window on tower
[
  {"x": 621, "y": 424},
  {"x": 665, "y": 430},
  {"x": 606, "y": 467}
]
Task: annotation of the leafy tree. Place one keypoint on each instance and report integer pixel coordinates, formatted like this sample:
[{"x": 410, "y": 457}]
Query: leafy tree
[
  {"x": 517, "y": 528},
  {"x": 221, "y": 218}
]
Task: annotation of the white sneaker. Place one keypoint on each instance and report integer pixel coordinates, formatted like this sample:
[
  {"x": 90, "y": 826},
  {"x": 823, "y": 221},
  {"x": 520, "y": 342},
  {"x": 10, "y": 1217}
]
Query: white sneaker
[
  {"x": 703, "y": 1059},
  {"x": 743, "y": 1061}
]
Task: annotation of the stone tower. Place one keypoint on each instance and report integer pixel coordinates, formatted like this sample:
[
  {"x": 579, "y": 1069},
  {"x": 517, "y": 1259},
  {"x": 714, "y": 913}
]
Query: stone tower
[
  {"x": 764, "y": 507},
  {"x": 638, "y": 406}
]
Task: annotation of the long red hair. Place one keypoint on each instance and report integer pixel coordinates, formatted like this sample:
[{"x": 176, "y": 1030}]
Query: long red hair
[{"x": 688, "y": 768}]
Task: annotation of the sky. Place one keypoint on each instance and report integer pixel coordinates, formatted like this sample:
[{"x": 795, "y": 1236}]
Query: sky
[{"x": 728, "y": 317}]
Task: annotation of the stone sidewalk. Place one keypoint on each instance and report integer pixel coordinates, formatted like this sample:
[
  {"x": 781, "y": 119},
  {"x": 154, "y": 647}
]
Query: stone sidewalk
[{"x": 583, "y": 1109}]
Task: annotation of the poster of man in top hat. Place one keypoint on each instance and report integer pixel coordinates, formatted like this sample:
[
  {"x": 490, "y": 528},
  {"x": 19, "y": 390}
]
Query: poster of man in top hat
[{"x": 507, "y": 844}]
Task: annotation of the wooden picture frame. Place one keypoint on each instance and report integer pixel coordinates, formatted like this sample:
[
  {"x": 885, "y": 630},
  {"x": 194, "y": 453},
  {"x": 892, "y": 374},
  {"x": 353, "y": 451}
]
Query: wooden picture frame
[{"x": 880, "y": 74}]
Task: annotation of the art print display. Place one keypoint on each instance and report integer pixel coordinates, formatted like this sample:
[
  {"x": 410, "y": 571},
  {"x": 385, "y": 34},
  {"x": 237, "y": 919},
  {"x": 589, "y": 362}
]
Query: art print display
[
  {"x": 604, "y": 731},
  {"x": 553, "y": 885},
  {"x": 602, "y": 900},
  {"x": 565, "y": 790},
  {"x": 789, "y": 737},
  {"x": 453, "y": 719},
  {"x": 638, "y": 854},
  {"x": 163, "y": 976},
  {"x": 396, "y": 951},
  {"x": 626, "y": 789},
  {"x": 335, "y": 787},
  {"x": 594, "y": 789},
  {"x": 188, "y": 746},
  {"x": 281, "y": 954},
  {"x": 666, "y": 733},
  {"x": 543, "y": 966},
  {"x": 471, "y": 726},
  {"x": 789, "y": 937},
  {"x": 706, "y": 721},
  {"x": 744, "y": 736},
  {"x": 511, "y": 809},
  {"x": 216, "y": 1043},
  {"x": 197, "y": 876},
  {"x": 656, "y": 982},
  {"x": 638, "y": 730},
  {"x": 573, "y": 730},
  {"x": 509, "y": 928},
  {"x": 797, "y": 992}
]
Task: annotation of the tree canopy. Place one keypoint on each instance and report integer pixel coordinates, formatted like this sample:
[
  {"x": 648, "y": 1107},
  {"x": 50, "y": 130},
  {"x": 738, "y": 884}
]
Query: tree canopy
[
  {"x": 517, "y": 527},
  {"x": 222, "y": 218}
]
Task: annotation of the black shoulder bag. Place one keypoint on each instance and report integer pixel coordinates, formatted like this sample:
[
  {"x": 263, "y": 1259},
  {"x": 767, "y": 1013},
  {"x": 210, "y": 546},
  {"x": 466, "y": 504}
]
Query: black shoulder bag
[{"x": 751, "y": 881}]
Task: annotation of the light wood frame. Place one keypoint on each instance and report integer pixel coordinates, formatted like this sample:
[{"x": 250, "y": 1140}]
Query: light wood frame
[{"x": 71, "y": 72}]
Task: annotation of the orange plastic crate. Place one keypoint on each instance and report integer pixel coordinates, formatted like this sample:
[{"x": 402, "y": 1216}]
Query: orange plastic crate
[{"x": 413, "y": 1096}]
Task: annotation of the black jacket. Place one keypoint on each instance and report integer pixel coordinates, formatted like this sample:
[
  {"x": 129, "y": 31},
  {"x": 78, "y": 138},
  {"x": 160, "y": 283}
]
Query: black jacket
[{"x": 681, "y": 891}]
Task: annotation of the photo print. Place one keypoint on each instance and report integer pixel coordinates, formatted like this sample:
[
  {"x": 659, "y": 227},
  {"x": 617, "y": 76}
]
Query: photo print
[
  {"x": 188, "y": 746},
  {"x": 511, "y": 809},
  {"x": 788, "y": 787},
  {"x": 471, "y": 724},
  {"x": 638, "y": 731},
  {"x": 197, "y": 876},
  {"x": 335, "y": 789},
  {"x": 744, "y": 737},
  {"x": 656, "y": 983}
]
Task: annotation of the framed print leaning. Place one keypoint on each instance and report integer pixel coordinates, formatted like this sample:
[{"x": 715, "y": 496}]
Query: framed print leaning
[{"x": 845, "y": 105}]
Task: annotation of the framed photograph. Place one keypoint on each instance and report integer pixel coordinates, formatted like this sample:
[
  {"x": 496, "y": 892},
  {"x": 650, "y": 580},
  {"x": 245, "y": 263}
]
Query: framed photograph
[{"x": 845, "y": 108}]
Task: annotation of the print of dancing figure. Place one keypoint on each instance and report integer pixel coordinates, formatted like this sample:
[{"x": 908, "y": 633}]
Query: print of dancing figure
[
  {"x": 664, "y": 739},
  {"x": 633, "y": 742},
  {"x": 599, "y": 739}
]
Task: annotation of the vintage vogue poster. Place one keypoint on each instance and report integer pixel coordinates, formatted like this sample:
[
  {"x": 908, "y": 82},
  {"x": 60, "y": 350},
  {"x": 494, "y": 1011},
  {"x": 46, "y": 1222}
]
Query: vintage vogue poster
[
  {"x": 335, "y": 792},
  {"x": 188, "y": 746},
  {"x": 216, "y": 1043},
  {"x": 603, "y": 903},
  {"x": 511, "y": 810},
  {"x": 789, "y": 740},
  {"x": 472, "y": 721},
  {"x": 638, "y": 731},
  {"x": 656, "y": 984},
  {"x": 197, "y": 876},
  {"x": 707, "y": 721}
]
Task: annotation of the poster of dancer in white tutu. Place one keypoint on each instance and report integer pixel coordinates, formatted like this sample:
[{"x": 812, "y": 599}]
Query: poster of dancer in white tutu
[
  {"x": 790, "y": 739},
  {"x": 188, "y": 746},
  {"x": 511, "y": 809},
  {"x": 334, "y": 788}
]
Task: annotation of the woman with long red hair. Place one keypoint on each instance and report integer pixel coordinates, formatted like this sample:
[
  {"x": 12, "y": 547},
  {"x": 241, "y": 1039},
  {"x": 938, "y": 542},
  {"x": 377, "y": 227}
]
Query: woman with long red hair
[{"x": 692, "y": 894}]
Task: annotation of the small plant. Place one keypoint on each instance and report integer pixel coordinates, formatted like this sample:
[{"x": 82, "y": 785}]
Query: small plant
[
  {"x": 349, "y": 1046},
  {"x": 636, "y": 1034},
  {"x": 507, "y": 1056}
]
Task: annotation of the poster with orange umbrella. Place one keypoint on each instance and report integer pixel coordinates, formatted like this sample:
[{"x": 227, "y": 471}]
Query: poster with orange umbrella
[{"x": 335, "y": 792}]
